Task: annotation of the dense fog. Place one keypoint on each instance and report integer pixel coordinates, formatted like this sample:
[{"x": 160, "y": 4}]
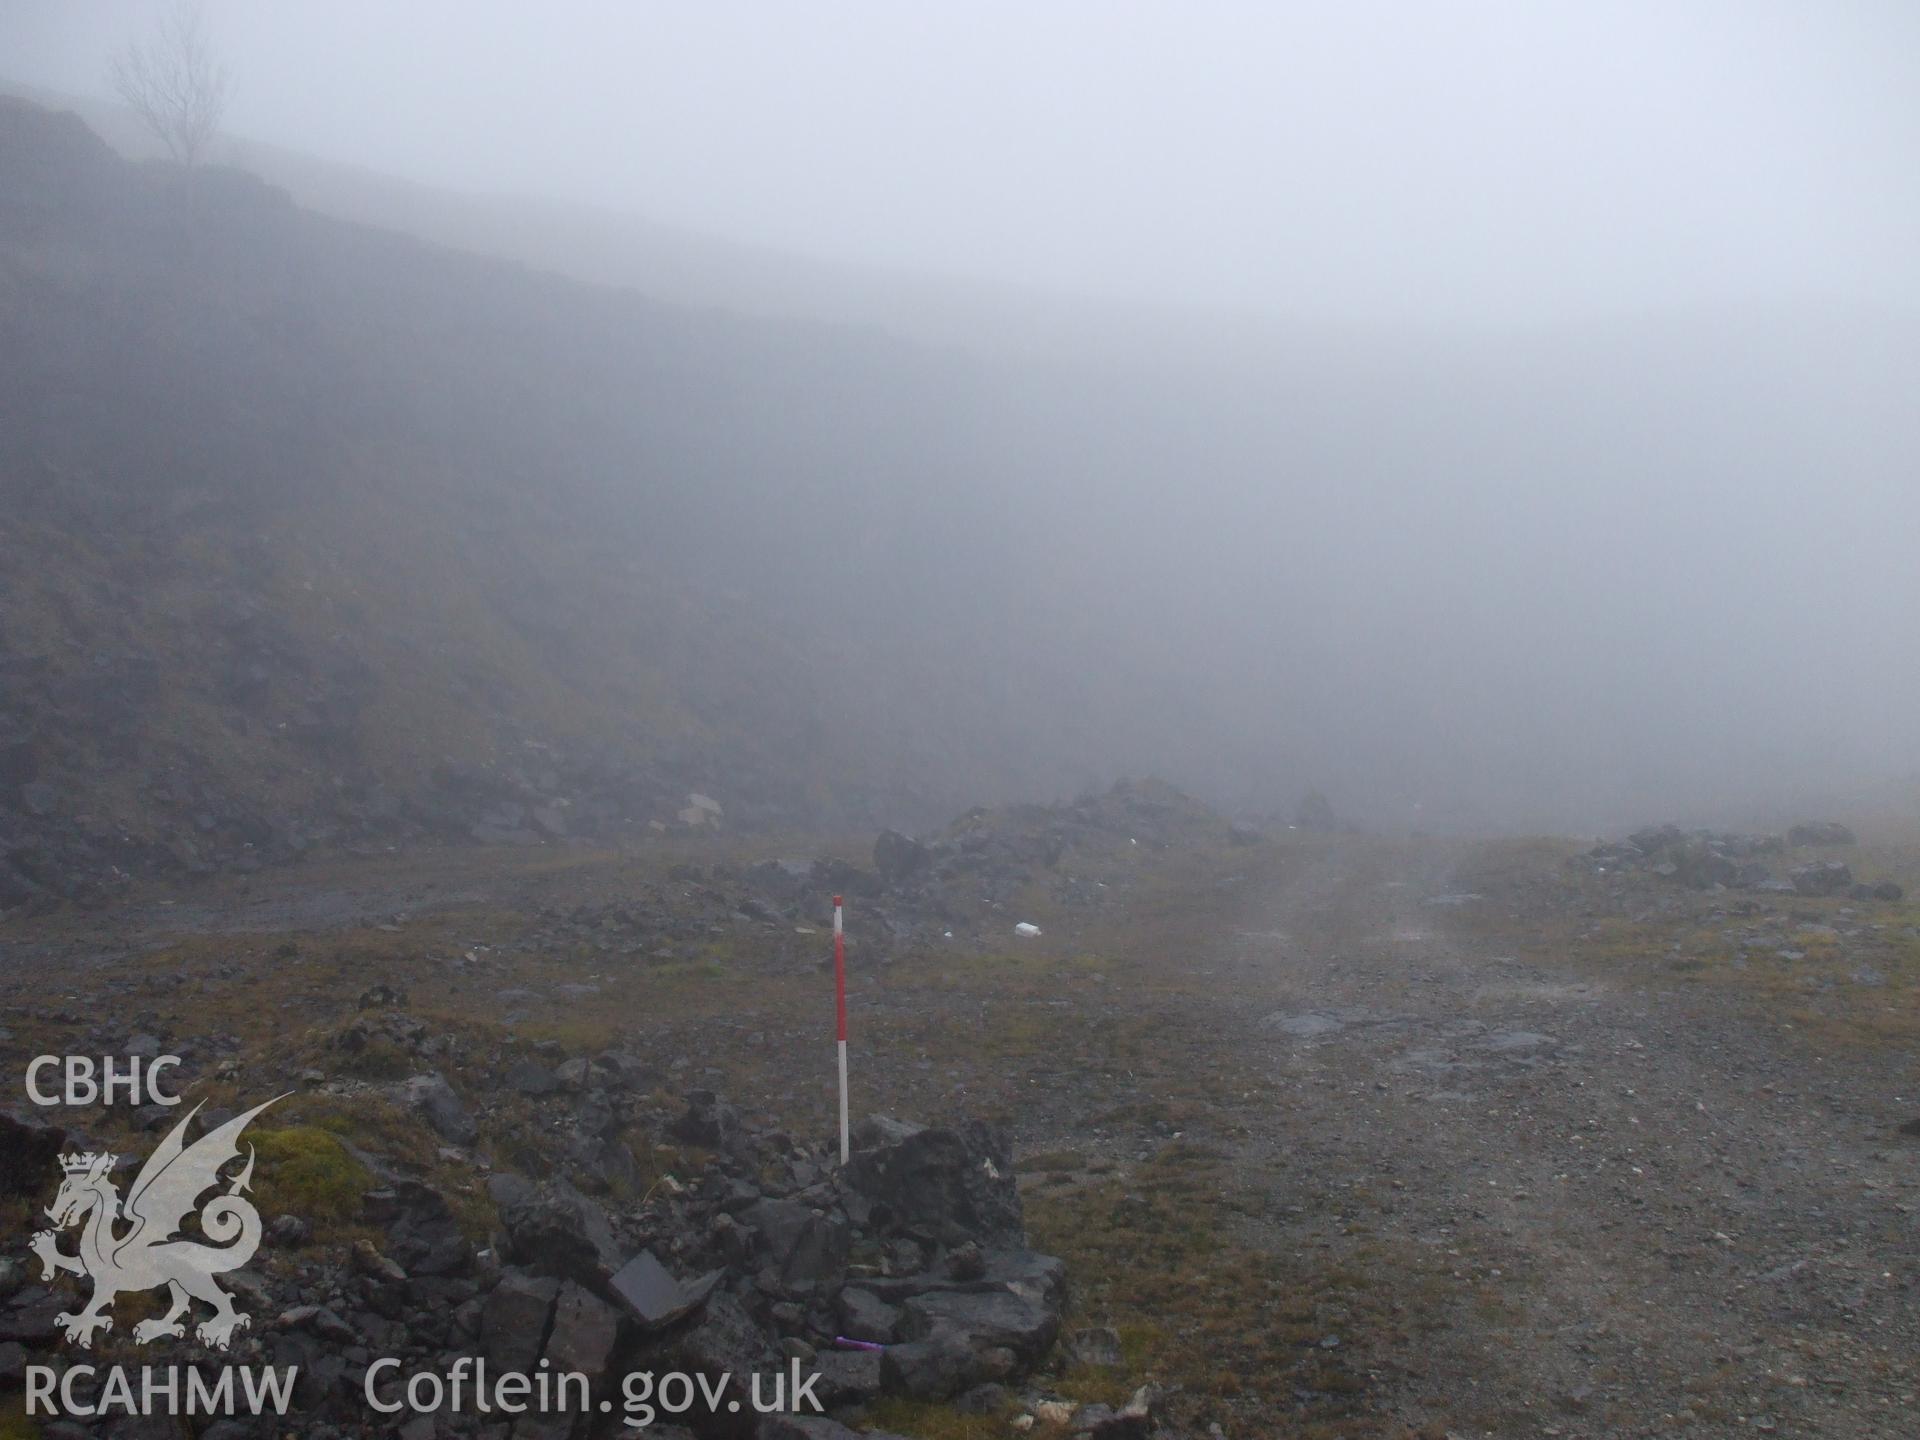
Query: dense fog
[{"x": 1495, "y": 415}]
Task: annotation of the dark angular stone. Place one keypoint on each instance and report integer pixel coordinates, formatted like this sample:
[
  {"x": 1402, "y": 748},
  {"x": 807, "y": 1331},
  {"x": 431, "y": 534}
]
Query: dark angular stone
[
  {"x": 514, "y": 1319},
  {"x": 950, "y": 1185},
  {"x": 934, "y": 1368},
  {"x": 708, "y": 1122},
  {"x": 847, "y": 1377},
  {"x": 649, "y": 1291},
  {"x": 559, "y": 1231},
  {"x": 1023, "y": 1324},
  {"x": 28, "y": 1152},
  {"x": 865, "y": 1316},
  {"x": 531, "y": 1078},
  {"x": 585, "y": 1332}
]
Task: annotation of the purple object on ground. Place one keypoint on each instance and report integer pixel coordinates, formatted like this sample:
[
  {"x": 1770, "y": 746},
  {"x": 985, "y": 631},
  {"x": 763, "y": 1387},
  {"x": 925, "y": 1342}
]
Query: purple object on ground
[{"x": 845, "y": 1344}]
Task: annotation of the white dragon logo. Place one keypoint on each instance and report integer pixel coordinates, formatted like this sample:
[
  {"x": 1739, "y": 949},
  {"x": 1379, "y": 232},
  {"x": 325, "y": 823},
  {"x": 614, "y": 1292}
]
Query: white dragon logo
[{"x": 153, "y": 1251}]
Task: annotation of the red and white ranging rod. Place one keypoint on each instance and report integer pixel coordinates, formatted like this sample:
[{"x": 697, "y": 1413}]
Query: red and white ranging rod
[{"x": 840, "y": 1014}]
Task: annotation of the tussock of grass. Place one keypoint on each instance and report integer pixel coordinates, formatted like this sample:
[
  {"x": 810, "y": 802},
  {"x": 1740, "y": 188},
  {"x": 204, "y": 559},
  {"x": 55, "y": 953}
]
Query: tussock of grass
[
  {"x": 926, "y": 1421},
  {"x": 378, "y": 1059},
  {"x": 1230, "y": 1330}
]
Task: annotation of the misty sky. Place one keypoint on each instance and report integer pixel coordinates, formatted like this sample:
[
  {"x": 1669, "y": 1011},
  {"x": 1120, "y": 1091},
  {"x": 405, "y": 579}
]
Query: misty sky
[{"x": 1483, "y": 160}]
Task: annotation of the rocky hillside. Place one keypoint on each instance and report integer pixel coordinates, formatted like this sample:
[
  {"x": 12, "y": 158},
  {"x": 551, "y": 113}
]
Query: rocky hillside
[{"x": 312, "y": 535}]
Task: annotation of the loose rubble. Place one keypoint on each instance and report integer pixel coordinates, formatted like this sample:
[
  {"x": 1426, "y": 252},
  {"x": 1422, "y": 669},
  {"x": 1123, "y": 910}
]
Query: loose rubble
[
  {"x": 905, "y": 1272},
  {"x": 956, "y": 885},
  {"x": 1704, "y": 859}
]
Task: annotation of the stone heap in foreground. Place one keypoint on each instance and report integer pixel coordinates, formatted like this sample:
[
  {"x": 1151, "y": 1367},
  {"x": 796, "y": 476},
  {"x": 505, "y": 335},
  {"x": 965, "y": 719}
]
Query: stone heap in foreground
[
  {"x": 915, "y": 1246},
  {"x": 766, "y": 1263}
]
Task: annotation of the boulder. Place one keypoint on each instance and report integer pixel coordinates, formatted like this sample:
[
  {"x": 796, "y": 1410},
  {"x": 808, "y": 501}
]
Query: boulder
[
  {"x": 559, "y": 1231},
  {"x": 1023, "y": 1323},
  {"x": 899, "y": 858},
  {"x": 29, "y": 1150},
  {"x": 937, "y": 1367},
  {"x": 847, "y": 1377},
  {"x": 593, "y": 1114},
  {"x": 1823, "y": 877},
  {"x": 949, "y": 1185},
  {"x": 1655, "y": 838},
  {"x": 804, "y": 1244},
  {"x": 1820, "y": 832},
  {"x": 620, "y": 1070},
  {"x": 1028, "y": 1272},
  {"x": 865, "y": 1316},
  {"x": 531, "y": 1078},
  {"x": 724, "y": 1341},
  {"x": 506, "y": 1189},
  {"x": 514, "y": 1319},
  {"x": 708, "y": 1122},
  {"x": 423, "y": 1235},
  {"x": 584, "y": 1334},
  {"x": 1315, "y": 812},
  {"x": 1703, "y": 866},
  {"x": 604, "y": 1166},
  {"x": 433, "y": 1098}
]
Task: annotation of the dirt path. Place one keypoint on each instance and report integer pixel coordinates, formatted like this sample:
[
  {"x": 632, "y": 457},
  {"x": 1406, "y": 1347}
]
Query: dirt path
[
  {"x": 1564, "y": 1197},
  {"x": 1634, "y": 1214}
]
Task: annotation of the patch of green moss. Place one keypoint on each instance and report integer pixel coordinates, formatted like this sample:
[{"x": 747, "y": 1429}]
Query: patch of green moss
[{"x": 305, "y": 1171}]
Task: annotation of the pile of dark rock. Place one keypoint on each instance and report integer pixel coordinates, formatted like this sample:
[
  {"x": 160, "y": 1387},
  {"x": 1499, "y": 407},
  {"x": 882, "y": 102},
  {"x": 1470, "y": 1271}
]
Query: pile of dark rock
[
  {"x": 963, "y": 875},
  {"x": 904, "y": 1272},
  {"x": 1708, "y": 859},
  {"x": 1315, "y": 813},
  {"x": 1820, "y": 832},
  {"x": 1700, "y": 859},
  {"x": 776, "y": 1255},
  {"x": 955, "y": 884}
]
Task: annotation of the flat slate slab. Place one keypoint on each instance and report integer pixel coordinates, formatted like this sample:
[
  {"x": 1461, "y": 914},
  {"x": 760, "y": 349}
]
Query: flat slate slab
[{"x": 650, "y": 1291}]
